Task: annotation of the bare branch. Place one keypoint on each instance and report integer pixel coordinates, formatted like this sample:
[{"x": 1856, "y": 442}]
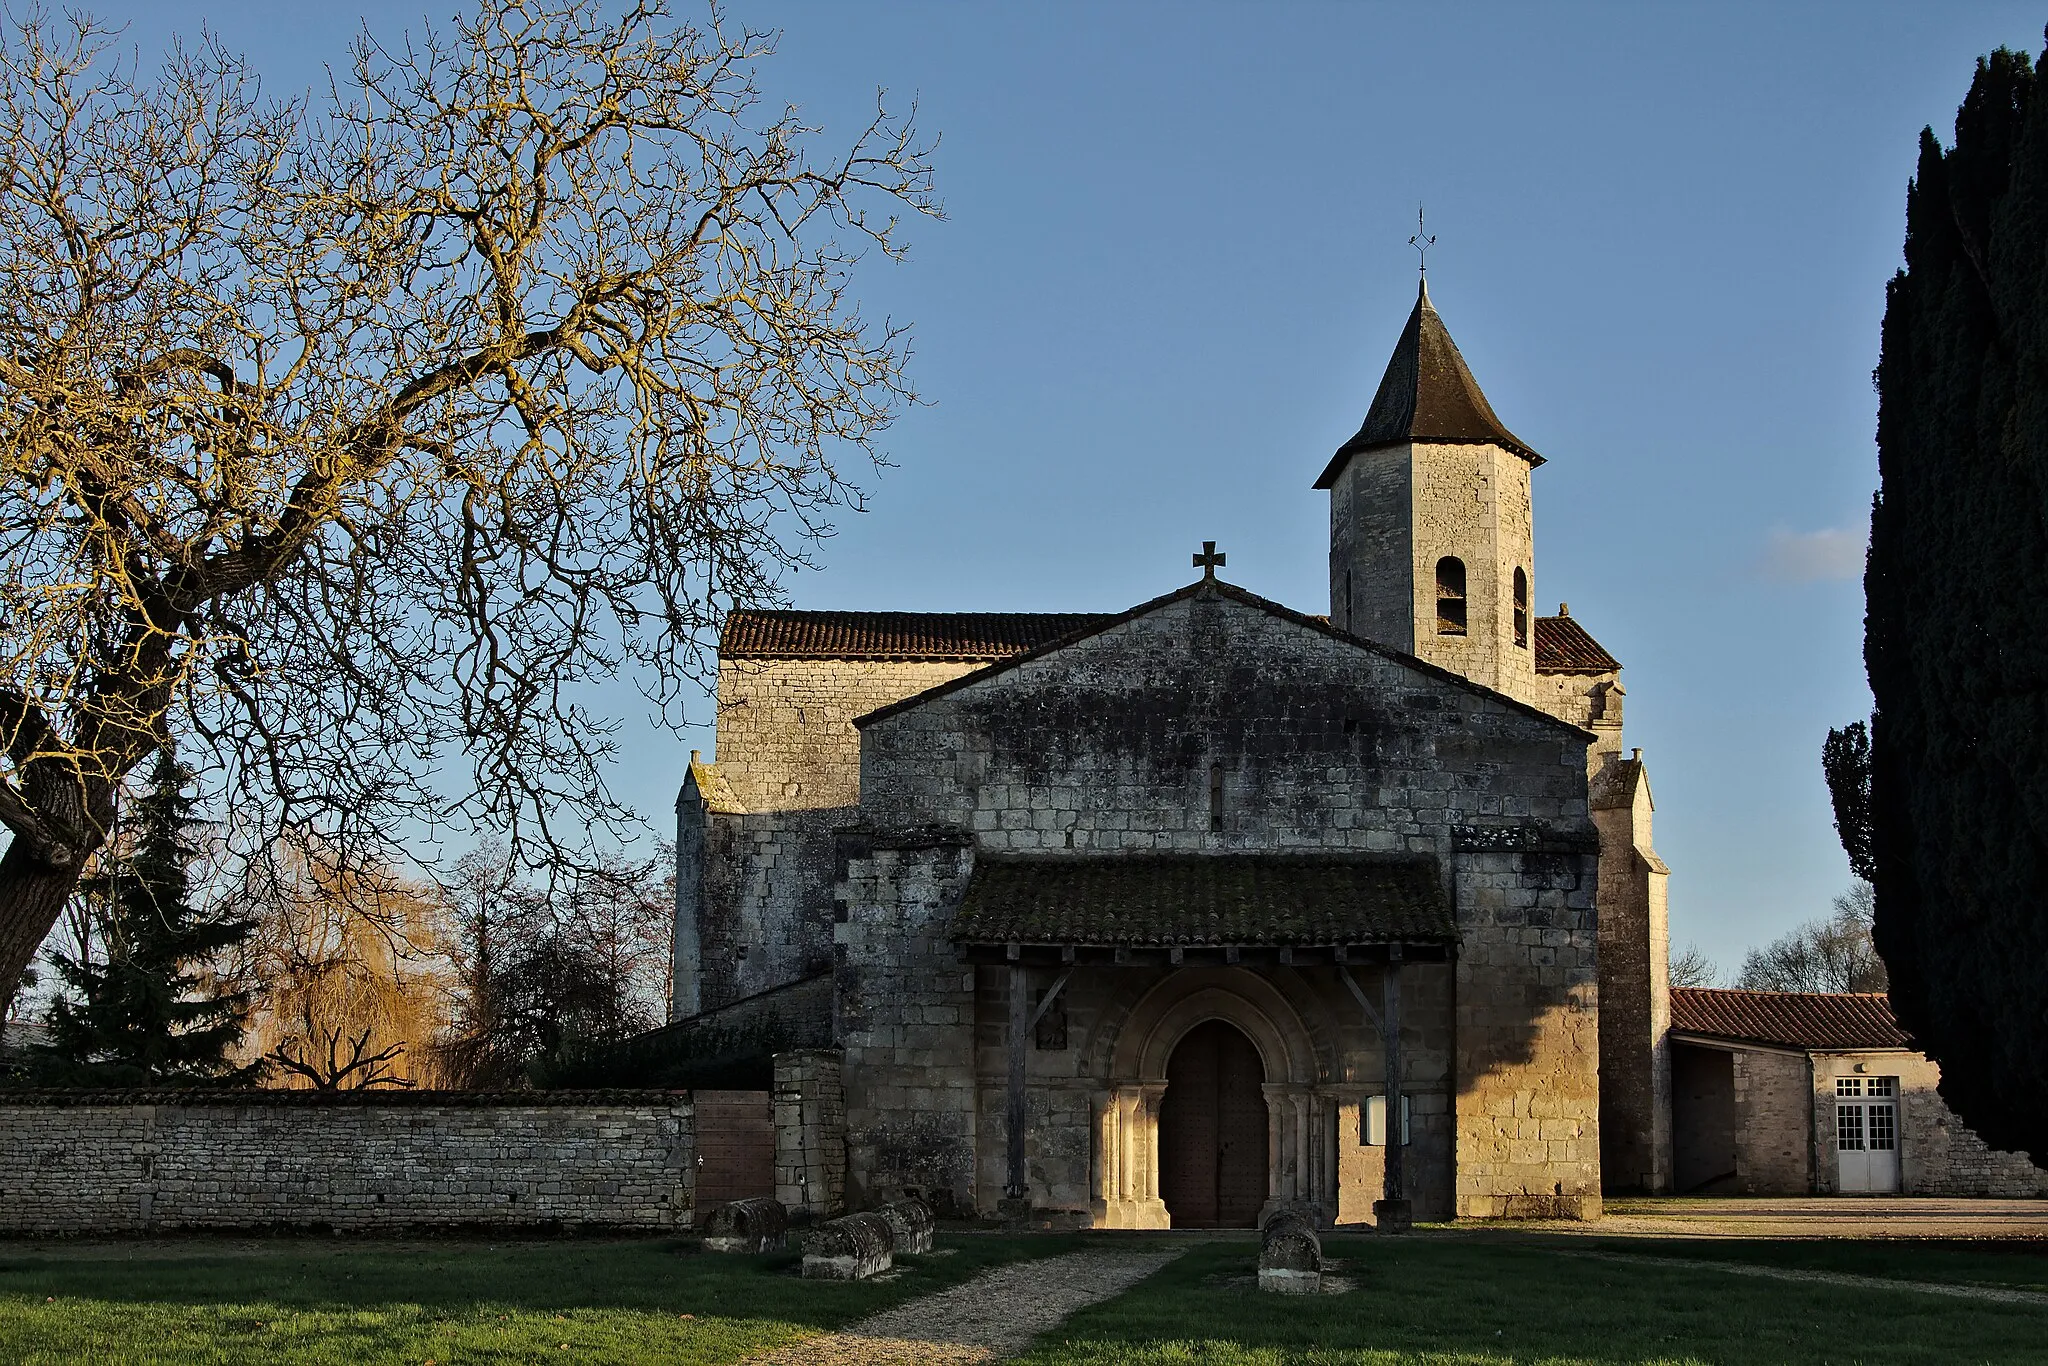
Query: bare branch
[{"x": 365, "y": 442}]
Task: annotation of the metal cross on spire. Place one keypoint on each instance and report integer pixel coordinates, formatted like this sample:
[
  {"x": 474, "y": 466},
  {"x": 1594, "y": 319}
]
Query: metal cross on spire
[
  {"x": 1210, "y": 560},
  {"x": 1421, "y": 241}
]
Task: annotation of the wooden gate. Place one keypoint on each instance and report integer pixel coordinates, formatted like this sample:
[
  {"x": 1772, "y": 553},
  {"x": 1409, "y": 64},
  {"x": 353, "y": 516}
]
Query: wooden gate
[
  {"x": 1212, "y": 1130},
  {"x": 735, "y": 1146}
]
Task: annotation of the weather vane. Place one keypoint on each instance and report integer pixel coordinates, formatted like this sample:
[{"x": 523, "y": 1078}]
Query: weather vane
[{"x": 1421, "y": 241}]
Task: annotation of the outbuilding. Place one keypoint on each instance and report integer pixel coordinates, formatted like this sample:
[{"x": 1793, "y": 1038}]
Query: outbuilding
[{"x": 1812, "y": 1093}]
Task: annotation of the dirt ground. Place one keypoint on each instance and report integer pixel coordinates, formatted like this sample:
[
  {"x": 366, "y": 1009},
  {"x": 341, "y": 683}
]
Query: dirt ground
[{"x": 1812, "y": 1217}]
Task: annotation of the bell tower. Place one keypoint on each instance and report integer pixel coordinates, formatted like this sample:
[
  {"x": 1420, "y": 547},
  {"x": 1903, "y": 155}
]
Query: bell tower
[{"x": 1432, "y": 549}]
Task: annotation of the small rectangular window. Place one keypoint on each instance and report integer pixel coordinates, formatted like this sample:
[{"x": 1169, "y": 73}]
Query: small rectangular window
[
  {"x": 1373, "y": 1118},
  {"x": 1215, "y": 796},
  {"x": 1848, "y": 1086}
]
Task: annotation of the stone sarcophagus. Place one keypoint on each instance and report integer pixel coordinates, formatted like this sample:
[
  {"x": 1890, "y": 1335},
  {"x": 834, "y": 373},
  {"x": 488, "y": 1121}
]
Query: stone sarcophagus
[
  {"x": 851, "y": 1248},
  {"x": 912, "y": 1222},
  {"x": 756, "y": 1225},
  {"x": 1290, "y": 1255}
]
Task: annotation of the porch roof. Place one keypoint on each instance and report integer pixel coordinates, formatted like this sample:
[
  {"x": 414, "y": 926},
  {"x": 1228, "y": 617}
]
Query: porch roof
[{"x": 1180, "y": 902}]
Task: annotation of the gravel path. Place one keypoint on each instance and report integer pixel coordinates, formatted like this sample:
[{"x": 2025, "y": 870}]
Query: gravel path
[
  {"x": 991, "y": 1317},
  {"x": 1787, "y": 1273}
]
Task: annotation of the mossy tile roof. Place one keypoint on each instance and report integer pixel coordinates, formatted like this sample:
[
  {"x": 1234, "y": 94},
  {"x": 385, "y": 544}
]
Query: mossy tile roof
[{"x": 1254, "y": 900}]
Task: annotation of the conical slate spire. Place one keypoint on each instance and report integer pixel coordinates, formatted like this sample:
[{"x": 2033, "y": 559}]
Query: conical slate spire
[{"x": 1427, "y": 394}]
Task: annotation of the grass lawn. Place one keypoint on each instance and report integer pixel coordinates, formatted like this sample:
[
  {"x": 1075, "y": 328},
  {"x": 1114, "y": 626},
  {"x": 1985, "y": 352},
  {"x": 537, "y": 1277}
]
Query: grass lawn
[
  {"x": 319, "y": 1300},
  {"x": 1444, "y": 1301},
  {"x": 1441, "y": 1301}
]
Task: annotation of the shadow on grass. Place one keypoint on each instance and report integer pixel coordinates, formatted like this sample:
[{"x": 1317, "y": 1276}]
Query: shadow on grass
[
  {"x": 1471, "y": 1302},
  {"x": 2004, "y": 1263},
  {"x": 322, "y": 1301}
]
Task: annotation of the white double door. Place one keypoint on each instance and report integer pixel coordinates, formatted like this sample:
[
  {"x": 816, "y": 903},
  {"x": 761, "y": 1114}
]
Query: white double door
[{"x": 1867, "y": 1135}]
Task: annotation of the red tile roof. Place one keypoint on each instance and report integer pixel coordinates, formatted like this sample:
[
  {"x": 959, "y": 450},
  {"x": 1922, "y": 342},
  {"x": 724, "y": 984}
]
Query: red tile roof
[
  {"x": 1819, "y": 1021},
  {"x": 895, "y": 635},
  {"x": 1563, "y": 647}
]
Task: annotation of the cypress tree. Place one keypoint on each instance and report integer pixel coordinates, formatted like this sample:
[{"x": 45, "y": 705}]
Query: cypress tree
[
  {"x": 1956, "y": 637},
  {"x": 1845, "y": 763},
  {"x": 150, "y": 1011}
]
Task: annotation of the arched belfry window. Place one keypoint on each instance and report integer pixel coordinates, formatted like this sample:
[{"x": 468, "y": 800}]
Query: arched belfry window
[
  {"x": 1521, "y": 607},
  {"x": 1450, "y": 596}
]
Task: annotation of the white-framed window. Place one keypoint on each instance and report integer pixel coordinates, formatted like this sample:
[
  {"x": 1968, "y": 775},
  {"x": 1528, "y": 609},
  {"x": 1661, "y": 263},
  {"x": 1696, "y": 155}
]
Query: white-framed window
[{"x": 1373, "y": 1118}]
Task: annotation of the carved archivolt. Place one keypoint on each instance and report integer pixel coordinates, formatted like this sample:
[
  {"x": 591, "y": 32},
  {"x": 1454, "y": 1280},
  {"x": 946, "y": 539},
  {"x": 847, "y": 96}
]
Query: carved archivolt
[
  {"x": 1193, "y": 996},
  {"x": 1125, "y": 1176}
]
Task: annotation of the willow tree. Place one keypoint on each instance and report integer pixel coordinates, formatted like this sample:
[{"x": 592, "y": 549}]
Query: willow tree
[
  {"x": 356, "y": 440},
  {"x": 1956, "y": 637}
]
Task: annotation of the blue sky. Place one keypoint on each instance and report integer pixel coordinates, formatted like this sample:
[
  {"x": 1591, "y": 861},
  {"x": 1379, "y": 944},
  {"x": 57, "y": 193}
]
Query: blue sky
[{"x": 1176, "y": 258}]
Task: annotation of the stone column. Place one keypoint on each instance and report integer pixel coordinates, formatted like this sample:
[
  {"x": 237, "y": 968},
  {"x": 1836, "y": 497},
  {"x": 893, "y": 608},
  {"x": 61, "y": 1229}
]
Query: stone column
[{"x": 1127, "y": 1170}]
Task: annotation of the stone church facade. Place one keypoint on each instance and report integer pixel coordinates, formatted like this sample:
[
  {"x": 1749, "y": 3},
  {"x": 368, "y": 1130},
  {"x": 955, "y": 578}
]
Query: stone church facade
[{"x": 1120, "y": 912}]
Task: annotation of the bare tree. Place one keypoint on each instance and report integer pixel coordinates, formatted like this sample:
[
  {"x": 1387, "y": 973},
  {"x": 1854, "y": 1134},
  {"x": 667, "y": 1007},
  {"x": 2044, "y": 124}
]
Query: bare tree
[
  {"x": 491, "y": 914},
  {"x": 539, "y": 972},
  {"x": 1692, "y": 968},
  {"x": 1822, "y": 955},
  {"x": 353, "y": 440},
  {"x": 314, "y": 1055}
]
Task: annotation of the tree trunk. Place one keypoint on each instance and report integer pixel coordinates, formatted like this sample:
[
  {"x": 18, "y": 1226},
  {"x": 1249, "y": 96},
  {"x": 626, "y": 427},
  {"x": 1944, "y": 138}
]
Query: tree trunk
[{"x": 33, "y": 890}]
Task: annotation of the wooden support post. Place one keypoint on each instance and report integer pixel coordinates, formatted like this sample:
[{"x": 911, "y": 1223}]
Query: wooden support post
[
  {"x": 1392, "y": 1212},
  {"x": 1015, "y": 1188}
]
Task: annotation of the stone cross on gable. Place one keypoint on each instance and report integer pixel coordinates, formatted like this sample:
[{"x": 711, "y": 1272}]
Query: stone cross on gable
[{"x": 1210, "y": 560}]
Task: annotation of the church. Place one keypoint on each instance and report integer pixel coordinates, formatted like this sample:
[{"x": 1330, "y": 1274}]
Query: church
[{"x": 1174, "y": 916}]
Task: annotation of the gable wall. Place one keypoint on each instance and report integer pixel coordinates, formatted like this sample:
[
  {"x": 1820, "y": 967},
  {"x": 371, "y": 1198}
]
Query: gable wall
[{"x": 1108, "y": 745}]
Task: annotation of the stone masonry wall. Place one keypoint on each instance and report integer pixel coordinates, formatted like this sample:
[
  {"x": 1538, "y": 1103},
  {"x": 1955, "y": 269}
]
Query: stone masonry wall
[
  {"x": 1372, "y": 555},
  {"x": 1773, "y": 1145},
  {"x": 810, "y": 1132},
  {"x": 1394, "y": 513},
  {"x": 788, "y": 749},
  {"x": 144, "y": 1162},
  {"x": 906, "y": 1014},
  {"x": 1635, "y": 994},
  {"x": 1472, "y": 501},
  {"x": 1938, "y": 1153},
  {"x": 1319, "y": 744},
  {"x": 1528, "y": 1106}
]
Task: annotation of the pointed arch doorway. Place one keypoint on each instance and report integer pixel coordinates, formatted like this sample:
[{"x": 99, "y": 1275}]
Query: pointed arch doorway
[{"x": 1213, "y": 1165}]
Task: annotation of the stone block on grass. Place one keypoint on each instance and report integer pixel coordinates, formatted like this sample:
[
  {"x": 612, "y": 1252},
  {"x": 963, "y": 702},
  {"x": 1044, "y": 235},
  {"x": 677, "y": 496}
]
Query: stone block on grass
[
  {"x": 850, "y": 1248},
  {"x": 1290, "y": 1255},
  {"x": 912, "y": 1222},
  {"x": 748, "y": 1226}
]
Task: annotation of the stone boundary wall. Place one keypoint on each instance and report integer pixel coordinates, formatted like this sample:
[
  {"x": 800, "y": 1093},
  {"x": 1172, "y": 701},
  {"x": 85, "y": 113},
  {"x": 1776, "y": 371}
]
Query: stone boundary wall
[{"x": 100, "y": 1162}]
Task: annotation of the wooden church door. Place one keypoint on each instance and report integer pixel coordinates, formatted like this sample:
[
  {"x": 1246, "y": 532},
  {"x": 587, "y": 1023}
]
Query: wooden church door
[{"x": 1212, "y": 1130}]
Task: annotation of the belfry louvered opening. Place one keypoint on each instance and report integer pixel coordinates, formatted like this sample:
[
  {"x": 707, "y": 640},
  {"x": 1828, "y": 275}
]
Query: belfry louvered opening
[{"x": 1450, "y": 596}]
